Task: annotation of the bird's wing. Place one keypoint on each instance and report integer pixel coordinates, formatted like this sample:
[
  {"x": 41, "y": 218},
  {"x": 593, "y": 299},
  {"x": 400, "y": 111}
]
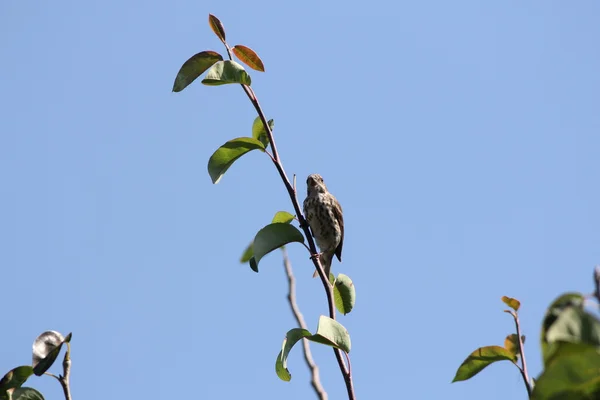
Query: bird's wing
[{"x": 339, "y": 216}]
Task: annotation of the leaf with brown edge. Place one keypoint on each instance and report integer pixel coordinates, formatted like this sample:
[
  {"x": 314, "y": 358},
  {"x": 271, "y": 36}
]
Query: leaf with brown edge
[
  {"x": 512, "y": 303},
  {"x": 194, "y": 67},
  {"x": 511, "y": 343},
  {"x": 248, "y": 57},
  {"x": 217, "y": 27},
  {"x": 481, "y": 358}
]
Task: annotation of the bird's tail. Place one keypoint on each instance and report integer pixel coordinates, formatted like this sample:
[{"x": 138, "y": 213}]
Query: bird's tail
[{"x": 325, "y": 263}]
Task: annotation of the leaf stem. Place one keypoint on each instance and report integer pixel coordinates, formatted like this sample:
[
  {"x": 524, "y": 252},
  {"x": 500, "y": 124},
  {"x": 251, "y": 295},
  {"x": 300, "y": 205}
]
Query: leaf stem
[{"x": 523, "y": 367}]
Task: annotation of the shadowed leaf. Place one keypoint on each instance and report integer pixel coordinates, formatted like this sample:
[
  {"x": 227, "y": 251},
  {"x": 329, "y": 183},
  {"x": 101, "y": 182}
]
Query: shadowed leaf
[
  {"x": 291, "y": 338},
  {"x": 194, "y": 67},
  {"x": 253, "y": 264},
  {"x": 344, "y": 294},
  {"x": 481, "y": 358},
  {"x": 226, "y": 155},
  {"x": 248, "y": 57},
  {"x": 512, "y": 303},
  {"x": 259, "y": 132},
  {"x": 217, "y": 27},
  {"x": 226, "y": 72},
  {"x": 14, "y": 379},
  {"x": 571, "y": 376},
  {"x": 26, "y": 393},
  {"x": 282, "y": 217},
  {"x": 272, "y": 237}
]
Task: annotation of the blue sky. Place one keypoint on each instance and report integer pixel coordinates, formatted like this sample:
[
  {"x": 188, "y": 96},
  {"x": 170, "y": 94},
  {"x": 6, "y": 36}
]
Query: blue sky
[{"x": 461, "y": 139}]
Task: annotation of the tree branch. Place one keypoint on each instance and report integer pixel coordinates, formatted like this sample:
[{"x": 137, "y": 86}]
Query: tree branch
[
  {"x": 64, "y": 378},
  {"x": 523, "y": 368},
  {"x": 316, "y": 380}
]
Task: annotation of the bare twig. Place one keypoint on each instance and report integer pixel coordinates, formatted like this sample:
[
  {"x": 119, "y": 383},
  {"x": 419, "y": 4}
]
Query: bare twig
[
  {"x": 316, "y": 380},
  {"x": 523, "y": 367}
]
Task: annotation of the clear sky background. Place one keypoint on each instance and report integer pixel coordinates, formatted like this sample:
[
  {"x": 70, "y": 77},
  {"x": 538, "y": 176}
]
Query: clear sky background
[{"x": 461, "y": 138}]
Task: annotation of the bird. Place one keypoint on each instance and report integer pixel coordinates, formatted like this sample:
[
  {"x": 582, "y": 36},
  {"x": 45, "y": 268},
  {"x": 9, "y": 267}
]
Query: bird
[{"x": 325, "y": 218}]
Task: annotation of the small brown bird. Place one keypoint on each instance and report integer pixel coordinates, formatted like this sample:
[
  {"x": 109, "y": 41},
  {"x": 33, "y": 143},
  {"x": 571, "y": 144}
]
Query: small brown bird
[{"x": 324, "y": 216}]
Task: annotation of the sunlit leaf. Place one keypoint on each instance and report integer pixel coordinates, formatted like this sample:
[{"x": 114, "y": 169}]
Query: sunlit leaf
[
  {"x": 248, "y": 57},
  {"x": 217, "y": 27},
  {"x": 282, "y": 217},
  {"x": 481, "y": 358},
  {"x": 227, "y": 154},
  {"x": 344, "y": 294},
  {"x": 329, "y": 332},
  {"x": 512, "y": 303},
  {"x": 511, "y": 343},
  {"x": 274, "y": 236},
  {"x": 226, "y": 72},
  {"x": 332, "y": 333},
  {"x": 45, "y": 350},
  {"x": 259, "y": 132},
  {"x": 248, "y": 253},
  {"x": 194, "y": 67}
]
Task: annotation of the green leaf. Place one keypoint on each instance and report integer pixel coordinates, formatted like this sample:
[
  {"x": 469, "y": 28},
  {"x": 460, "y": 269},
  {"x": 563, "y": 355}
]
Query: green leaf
[
  {"x": 248, "y": 57},
  {"x": 226, "y": 155},
  {"x": 552, "y": 346},
  {"x": 481, "y": 358},
  {"x": 45, "y": 350},
  {"x": 194, "y": 67},
  {"x": 512, "y": 303},
  {"x": 291, "y": 338},
  {"x": 344, "y": 294},
  {"x": 332, "y": 333},
  {"x": 253, "y": 264},
  {"x": 226, "y": 72},
  {"x": 259, "y": 132},
  {"x": 217, "y": 27},
  {"x": 329, "y": 332},
  {"x": 26, "y": 393},
  {"x": 274, "y": 236},
  {"x": 14, "y": 379},
  {"x": 511, "y": 343},
  {"x": 571, "y": 376},
  {"x": 283, "y": 217},
  {"x": 248, "y": 253}
]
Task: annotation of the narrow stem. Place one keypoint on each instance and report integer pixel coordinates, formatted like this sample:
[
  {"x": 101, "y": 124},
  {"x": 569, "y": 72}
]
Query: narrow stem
[
  {"x": 523, "y": 368},
  {"x": 64, "y": 378},
  {"x": 304, "y": 225},
  {"x": 316, "y": 380}
]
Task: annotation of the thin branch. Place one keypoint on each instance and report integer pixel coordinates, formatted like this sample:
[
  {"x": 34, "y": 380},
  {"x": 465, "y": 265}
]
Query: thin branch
[
  {"x": 64, "y": 378},
  {"x": 523, "y": 367},
  {"x": 303, "y": 225},
  {"x": 316, "y": 380}
]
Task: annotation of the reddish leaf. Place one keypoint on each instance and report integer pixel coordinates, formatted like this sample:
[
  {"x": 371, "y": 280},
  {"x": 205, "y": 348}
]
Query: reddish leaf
[
  {"x": 217, "y": 27},
  {"x": 248, "y": 57}
]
